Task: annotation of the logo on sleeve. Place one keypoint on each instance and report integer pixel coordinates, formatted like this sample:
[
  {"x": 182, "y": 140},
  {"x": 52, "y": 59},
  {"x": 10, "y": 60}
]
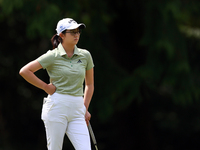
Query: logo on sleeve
[{"x": 79, "y": 61}]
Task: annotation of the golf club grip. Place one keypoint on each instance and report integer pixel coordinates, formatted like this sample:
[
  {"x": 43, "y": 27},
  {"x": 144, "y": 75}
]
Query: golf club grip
[{"x": 92, "y": 134}]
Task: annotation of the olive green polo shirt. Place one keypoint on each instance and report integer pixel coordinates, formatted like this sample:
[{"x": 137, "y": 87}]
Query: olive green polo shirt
[{"x": 67, "y": 74}]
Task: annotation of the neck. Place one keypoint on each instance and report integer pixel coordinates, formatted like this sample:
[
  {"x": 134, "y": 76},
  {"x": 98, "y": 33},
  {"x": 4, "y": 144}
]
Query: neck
[{"x": 69, "y": 49}]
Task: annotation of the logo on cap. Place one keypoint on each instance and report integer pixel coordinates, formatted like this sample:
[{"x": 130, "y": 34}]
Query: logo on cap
[
  {"x": 62, "y": 27},
  {"x": 70, "y": 21}
]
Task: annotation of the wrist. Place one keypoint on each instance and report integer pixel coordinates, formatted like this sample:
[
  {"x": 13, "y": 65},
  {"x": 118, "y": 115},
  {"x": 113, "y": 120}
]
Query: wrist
[
  {"x": 86, "y": 106},
  {"x": 44, "y": 86}
]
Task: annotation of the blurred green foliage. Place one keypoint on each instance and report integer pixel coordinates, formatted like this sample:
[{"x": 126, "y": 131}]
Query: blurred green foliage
[{"x": 146, "y": 71}]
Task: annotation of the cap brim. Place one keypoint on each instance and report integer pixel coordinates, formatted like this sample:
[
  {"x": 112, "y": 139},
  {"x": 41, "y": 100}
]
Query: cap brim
[{"x": 82, "y": 26}]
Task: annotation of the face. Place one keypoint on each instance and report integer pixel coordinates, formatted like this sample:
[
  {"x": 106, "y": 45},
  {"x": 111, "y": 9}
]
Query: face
[{"x": 71, "y": 36}]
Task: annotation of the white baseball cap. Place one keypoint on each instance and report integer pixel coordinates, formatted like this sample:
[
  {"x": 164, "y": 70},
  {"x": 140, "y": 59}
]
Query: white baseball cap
[{"x": 68, "y": 23}]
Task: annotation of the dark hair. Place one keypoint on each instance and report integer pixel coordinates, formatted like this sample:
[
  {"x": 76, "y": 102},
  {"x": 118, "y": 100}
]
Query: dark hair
[{"x": 56, "y": 39}]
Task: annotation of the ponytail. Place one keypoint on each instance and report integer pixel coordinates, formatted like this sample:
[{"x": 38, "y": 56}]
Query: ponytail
[{"x": 55, "y": 40}]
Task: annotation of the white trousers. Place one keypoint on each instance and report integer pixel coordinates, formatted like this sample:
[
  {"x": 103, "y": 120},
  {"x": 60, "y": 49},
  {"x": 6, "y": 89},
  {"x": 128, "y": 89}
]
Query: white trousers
[{"x": 65, "y": 114}]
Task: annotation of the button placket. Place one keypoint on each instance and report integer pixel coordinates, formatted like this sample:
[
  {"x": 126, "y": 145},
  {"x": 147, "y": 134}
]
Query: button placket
[{"x": 71, "y": 62}]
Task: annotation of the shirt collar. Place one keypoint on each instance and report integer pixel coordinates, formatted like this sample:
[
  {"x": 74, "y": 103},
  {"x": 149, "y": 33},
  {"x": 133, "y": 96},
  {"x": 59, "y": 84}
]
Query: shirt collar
[
  {"x": 62, "y": 52},
  {"x": 76, "y": 51}
]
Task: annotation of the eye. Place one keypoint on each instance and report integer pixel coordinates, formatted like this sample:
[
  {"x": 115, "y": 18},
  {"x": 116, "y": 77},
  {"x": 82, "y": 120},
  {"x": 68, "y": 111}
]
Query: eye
[{"x": 75, "y": 31}]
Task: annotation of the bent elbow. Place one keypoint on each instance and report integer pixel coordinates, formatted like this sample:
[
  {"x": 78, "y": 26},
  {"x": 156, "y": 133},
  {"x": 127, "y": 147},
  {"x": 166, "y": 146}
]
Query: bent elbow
[{"x": 21, "y": 72}]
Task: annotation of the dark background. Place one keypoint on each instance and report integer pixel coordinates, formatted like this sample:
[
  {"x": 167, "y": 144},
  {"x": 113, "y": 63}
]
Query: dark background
[{"x": 146, "y": 55}]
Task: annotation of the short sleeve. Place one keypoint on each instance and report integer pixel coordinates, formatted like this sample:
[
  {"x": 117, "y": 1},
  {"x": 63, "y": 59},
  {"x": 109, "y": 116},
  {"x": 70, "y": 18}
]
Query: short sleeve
[
  {"x": 46, "y": 59},
  {"x": 90, "y": 63}
]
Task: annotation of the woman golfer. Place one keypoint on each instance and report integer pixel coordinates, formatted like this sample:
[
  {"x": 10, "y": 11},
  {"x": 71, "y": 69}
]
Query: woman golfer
[{"x": 65, "y": 109}]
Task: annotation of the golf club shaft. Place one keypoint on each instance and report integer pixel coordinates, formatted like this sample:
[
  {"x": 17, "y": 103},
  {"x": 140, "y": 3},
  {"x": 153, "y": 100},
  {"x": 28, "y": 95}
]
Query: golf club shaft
[{"x": 92, "y": 135}]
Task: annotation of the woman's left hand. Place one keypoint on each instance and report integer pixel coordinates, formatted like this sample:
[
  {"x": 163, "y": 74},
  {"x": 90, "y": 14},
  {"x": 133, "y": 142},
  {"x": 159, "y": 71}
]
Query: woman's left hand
[{"x": 87, "y": 117}]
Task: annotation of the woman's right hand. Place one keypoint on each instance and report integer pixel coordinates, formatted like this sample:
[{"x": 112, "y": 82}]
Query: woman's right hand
[{"x": 50, "y": 89}]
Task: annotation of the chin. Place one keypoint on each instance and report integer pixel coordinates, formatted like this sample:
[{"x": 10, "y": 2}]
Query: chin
[{"x": 76, "y": 42}]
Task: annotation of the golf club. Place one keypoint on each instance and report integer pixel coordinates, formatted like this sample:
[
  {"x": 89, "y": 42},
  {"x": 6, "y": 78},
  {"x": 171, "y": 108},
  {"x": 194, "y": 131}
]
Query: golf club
[{"x": 92, "y": 135}]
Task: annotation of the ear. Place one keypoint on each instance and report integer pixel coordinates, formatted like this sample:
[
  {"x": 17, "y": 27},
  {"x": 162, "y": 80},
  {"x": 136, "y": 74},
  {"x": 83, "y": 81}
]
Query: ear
[{"x": 61, "y": 35}]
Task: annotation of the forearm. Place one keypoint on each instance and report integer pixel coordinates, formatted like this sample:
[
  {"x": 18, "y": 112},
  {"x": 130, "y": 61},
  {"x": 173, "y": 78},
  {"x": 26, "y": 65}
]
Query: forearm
[
  {"x": 32, "y": 78},
  {"x": 89, "y": 89}
]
